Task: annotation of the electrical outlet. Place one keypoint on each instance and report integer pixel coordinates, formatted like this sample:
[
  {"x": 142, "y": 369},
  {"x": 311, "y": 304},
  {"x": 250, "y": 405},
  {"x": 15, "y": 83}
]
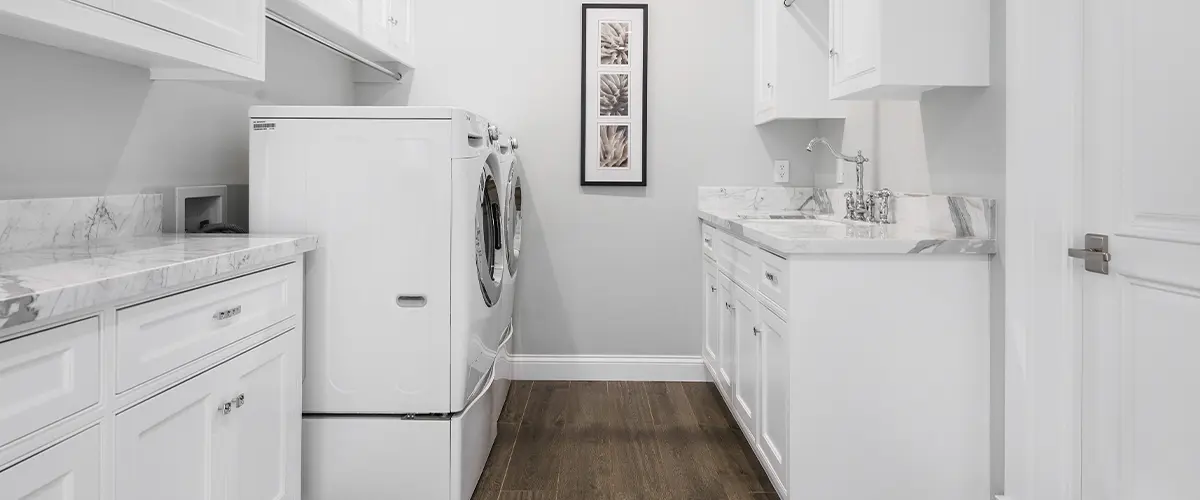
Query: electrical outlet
[{"x": 783, "y": 170}]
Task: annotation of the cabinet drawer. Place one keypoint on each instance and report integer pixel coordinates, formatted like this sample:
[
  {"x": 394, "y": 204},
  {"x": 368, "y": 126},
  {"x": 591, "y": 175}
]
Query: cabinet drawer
[
  {"x": 746, "y": 266},
  {"x": 69, "y": 470},
  {"x": 48, "y": 376},
  {"x": 708, "y": 241},
  {"x": 773, "y": 278},
  {"x": 156, "y": 337}
]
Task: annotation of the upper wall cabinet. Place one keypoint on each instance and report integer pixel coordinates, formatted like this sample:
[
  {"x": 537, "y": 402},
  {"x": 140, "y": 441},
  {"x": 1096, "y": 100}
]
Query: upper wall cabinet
[
  {"x": 790, "y": 62},
  {"x": 896, "y": 50},
  {"x": 174, "y": 38},
  {"x": 379, "y": 30}
]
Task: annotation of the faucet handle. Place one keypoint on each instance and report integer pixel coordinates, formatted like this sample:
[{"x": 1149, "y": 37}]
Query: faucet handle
[{"x": 880, "y": 207}]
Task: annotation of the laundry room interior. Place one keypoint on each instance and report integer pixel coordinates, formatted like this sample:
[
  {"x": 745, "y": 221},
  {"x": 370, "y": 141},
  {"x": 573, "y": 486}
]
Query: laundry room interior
[{"x": 545, "y": 249}]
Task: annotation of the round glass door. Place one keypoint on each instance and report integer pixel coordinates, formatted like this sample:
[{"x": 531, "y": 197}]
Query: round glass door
[{"x": 489, "y": 239}]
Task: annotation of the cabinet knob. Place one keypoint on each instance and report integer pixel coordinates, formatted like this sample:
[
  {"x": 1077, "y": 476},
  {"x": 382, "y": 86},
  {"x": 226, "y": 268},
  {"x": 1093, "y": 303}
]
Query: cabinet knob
[
  {"x": 832, "y": 53},
  {"x": 771, "y": 277},
  {"x": 392, "y": 21},
  {"x": 712, "y": 288},
  {"x": 225, "y": 408},
  {"x": 239, "y": 401},
  {"x": 756, "y": 331}
]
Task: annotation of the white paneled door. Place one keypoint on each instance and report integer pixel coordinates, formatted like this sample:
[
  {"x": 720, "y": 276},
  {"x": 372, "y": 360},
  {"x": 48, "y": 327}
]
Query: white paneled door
[{"x": 1141, "y": 186}]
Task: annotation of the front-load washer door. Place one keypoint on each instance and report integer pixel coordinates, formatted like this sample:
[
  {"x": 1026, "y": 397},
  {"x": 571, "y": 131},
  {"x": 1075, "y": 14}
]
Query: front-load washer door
[
  {"x": 489, "y": 239},
  {"x": 513, "y": 218}
]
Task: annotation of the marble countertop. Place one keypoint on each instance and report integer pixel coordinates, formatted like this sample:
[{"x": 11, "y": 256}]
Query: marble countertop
[
  {"x": 831, "y": 236},
  {"x": 39, "y": 284}
]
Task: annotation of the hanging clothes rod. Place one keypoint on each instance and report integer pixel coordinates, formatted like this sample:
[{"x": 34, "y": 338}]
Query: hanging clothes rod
[{"x": 331, "y": 45}]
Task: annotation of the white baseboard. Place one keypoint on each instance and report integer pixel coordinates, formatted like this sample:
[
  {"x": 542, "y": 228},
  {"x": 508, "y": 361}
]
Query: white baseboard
[{"x": 609, "y": 368}]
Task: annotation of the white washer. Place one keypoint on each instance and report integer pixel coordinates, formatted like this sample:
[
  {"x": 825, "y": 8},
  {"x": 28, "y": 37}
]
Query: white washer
[
  {"x": 512, "y": 175},
  {"x": 403, "y": 315}
]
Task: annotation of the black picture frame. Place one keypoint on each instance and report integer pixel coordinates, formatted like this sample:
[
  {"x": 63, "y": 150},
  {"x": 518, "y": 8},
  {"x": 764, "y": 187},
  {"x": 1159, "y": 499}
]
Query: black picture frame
[{"x": 585, "y": 98}]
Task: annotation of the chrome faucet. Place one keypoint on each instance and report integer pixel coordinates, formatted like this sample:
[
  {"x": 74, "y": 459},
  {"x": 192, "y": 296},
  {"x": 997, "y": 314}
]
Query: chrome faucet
[{"x": 860, "y": 205}]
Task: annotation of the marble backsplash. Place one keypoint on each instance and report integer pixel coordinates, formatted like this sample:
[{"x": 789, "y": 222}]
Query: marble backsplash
[
  {"x": 49, "y": 222},
  {"x": 965, "y": 216}
]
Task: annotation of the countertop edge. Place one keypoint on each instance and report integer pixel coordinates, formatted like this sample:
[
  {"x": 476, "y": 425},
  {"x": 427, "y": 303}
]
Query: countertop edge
[
  {"x": 851, "y": 246},
  {"x": 46, "y": 305}
]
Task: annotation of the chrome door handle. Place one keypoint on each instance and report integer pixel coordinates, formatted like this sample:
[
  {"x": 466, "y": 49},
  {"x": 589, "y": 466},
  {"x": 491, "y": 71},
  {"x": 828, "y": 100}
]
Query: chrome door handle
[
  {"x": 411, "y": 300},
  {"x": 1095, "y": 256},
  {"x": 228, "y": 313}
]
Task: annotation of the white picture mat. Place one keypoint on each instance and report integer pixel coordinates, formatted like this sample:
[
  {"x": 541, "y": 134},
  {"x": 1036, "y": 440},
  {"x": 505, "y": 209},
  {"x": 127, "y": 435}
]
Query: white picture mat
[{"x": 637, "y": 99}]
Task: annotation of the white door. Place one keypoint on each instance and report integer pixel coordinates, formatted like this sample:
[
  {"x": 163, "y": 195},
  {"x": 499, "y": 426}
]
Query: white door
[
  {"x": 170, "y": 445},
  {"x": 854, "y": 34},
  {"x": 264, "y": 458},
  {"x": 766, "y": 54},
  {"x": 727, "y": 355},
  {"x": 69, "y": 470},
  {"x": 1141, "y": 186},
  {"x": 745, "y": 387},
  {"x": 712, "y": 312},
  {"x": 773, "y": 420},
  {"x": 233, "y": 25}
]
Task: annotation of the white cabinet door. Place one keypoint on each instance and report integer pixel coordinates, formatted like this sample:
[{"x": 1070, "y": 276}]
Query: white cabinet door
[
  {"x": 854, "y": 33},
  {"x": 168, "y": 446},
  {"x": 766, "y": 48},
  {"x": 264, "y": 433},
  {"x": 773, "y": 418},
  {"x": 233, "y": 25},
  {"x": 745, "y": 386},
  {"x": 712, "y": 312},
  {"x": 387, "y": 24},
  {"x": 727, "y": 353},
  {"x": 69, "y": 470}
]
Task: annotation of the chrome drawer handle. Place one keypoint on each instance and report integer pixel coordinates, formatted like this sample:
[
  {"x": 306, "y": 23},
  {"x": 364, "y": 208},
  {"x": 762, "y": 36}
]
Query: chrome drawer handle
[
  {"x": 771, "y": 277},
  {"x": 228, "y": 313}
]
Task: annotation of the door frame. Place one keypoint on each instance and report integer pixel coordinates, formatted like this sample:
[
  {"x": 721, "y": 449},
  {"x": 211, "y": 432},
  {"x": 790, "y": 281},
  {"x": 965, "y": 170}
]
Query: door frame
[{"x": 1043, "y": 358}]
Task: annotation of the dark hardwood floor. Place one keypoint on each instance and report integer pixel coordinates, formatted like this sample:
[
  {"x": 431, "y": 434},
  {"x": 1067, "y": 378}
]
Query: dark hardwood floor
[{"x": 619, "y": 440}]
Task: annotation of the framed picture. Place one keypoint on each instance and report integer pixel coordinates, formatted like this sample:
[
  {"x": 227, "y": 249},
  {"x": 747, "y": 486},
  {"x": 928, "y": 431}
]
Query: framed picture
[{"x": 613, "y": 128}]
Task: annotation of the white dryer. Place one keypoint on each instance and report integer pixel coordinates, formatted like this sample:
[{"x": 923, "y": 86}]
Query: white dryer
[{"x": 403, "y": 308}]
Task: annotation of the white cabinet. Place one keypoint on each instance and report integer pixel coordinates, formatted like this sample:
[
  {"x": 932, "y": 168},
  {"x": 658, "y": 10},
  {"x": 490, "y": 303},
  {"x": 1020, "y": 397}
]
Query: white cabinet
[
  {"x": 233, "y": 25},
  {"x": 224, "y": 434},
  {"x": 712, "y": 312},
  {"x": 850, "y": 373},
  {"x": 790, "y": 62},
  {"x": 897, "y": 50},
  {"x": 745, "y": 386},
  {"x": 379, "y": 30},
  {"x": 176, "y": 39},
  {"x": 388, "y": 25},
  {"x": 69, "y": 470}
]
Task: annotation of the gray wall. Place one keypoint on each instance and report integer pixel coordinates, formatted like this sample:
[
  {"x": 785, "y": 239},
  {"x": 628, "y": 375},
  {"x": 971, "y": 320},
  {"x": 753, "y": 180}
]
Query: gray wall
[
  {"x": 607, "y": 270},
  {"x": 73, "y": 125}
]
